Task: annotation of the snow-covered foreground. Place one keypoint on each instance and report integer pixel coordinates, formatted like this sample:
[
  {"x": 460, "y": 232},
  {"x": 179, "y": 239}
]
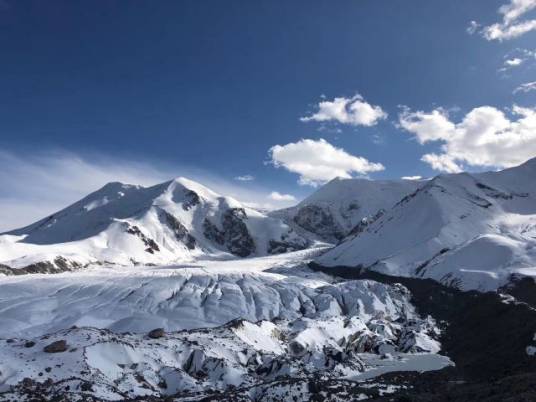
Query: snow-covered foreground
[{"x": 235, "y": 323}]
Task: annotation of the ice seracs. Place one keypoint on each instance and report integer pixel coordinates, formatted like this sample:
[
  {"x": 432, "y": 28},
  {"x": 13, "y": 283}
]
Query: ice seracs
[{"x": 226, "y": 329}]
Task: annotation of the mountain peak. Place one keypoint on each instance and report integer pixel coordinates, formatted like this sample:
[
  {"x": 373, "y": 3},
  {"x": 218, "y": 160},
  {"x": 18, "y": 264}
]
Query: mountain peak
[
  {"x": 531, "y": 164},
  {"x": 191, "y": 185},
  {"x": 114, "y": 186}
]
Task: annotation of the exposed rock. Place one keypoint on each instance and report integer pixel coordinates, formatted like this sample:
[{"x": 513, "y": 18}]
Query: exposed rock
[
  {"x": 27, "y": 382},
  {"x": 477, "y": 200},
  {"x": 278, "y": 247},
  {"x": 56, "y": 347},
  {"x": 56, "y": 266},
  {"x": 234, "y": 235},
  {"x": 212, "y": 232},
  {"x": 237, "y": 237},
  {"x": 180, "y": 231},
  {"x": 156, "y": 333},
  {"x": 149, "y": 243},
  {"x": 297, "y": 349},
  {"x": 190, "y": 199},
  {"x": 366, "y": 222},
  {"x": 5, "y": 270},
  {"x": 319, "y": 221},
  {"x": 86, "y": 387}
]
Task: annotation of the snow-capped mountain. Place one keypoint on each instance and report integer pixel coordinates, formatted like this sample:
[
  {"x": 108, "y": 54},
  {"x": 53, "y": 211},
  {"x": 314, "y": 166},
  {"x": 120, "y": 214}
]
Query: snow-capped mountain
[
  {"x": 473, "y": 231},
  {"x": 125, "y": 224},
  {"x": 266, "y": 328},
  {"x": 343, "y": 205}
]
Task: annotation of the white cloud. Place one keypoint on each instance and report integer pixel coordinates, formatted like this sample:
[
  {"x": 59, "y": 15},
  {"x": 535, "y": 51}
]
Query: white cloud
[
  {"x": 443, "y": 163},
  {"x": 515, "y": 9},
  {"x": 318, "y": 161},
  {"x": 485, "y": 137},
  {"x": 33, "y": 186},
  {"x": 473, "y": 27},
  {"x": 274, "y": 195},
  {"x": 510, "y": 27},
  {"x": 516, "y": 61},
  {"x": 526, "y": 87},
  {"x": 411, "y": 177},
  {"x": 431, "y": 126},
  {"x": 518, "y": 57},
  {"x": 354, "y": 111},
  {"x": 501, "y": 32},
  {"x": 246, "y": 177}
]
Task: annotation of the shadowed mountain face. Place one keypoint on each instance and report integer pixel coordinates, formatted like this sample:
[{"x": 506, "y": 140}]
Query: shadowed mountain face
[{"x": 335, "y": 209}]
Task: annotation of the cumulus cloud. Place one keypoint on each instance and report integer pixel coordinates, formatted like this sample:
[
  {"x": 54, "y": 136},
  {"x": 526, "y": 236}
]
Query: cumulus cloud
[
  {"x": 353, "y": 111},
  {"x": 431, "y": 126},
  {"x": 276, "y": 196},
  {"x": 318, "y": 161},
  {"x": 246, "y": 177},
  {"x": 485, "y": 137},
  {"x": 526, "y": 87},
  {"x": 443, "y": 163},
  {"x": 511, "y": 26},
  {"x": 33, "y": 186},
  {"x": 411, "y": 177}
]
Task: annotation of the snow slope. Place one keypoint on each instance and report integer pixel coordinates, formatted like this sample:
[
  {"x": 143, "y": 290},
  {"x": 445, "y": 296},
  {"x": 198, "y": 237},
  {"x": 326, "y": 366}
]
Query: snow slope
[
  {"x": 335, "y": 209},
  {"x": 123, "y": 224},
  {"x": 470, "y": 231}
]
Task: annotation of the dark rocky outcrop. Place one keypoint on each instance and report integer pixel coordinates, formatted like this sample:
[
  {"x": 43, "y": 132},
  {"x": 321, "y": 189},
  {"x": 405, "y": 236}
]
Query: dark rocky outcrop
[
  {"x": 150, "y": 244},
  {"x": 319, "y": 221},
  {"x": 365, "y": 223},
  {"x": 282, "y": 246},
  {"x": 237, "y": 237},
  {"x": 234, "y": 235},
  {"x": 212, "y": 232},
  {"x": 56, "y": 266},
  {"x": 156, "y": 333},
  {"x": 180, "y": 231},
  {"x": 191, "y": 199},
  {"x": 56, "y": 347}
]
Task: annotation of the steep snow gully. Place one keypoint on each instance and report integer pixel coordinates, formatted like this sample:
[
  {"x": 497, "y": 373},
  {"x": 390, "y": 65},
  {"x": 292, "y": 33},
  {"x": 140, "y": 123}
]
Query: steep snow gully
[{"x": 366, "y": 290}]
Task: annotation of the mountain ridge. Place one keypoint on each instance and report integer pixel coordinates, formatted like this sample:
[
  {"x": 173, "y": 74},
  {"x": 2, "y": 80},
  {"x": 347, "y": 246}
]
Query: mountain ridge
[
  {"x": 127, "y": 224},
  {"x": 468, "y": 230}
]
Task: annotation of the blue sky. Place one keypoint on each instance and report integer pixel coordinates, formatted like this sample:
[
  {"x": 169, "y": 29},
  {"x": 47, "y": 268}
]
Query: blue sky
[{"x": 145, "y": 90}]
